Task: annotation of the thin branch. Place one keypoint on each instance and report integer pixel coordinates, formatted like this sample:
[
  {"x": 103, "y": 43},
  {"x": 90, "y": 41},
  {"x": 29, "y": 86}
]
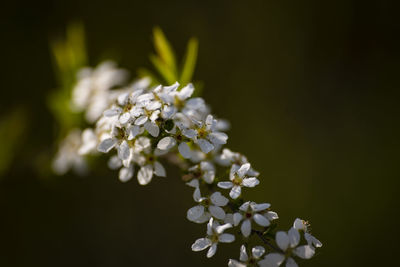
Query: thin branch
[{"x": 260, "y": 235}]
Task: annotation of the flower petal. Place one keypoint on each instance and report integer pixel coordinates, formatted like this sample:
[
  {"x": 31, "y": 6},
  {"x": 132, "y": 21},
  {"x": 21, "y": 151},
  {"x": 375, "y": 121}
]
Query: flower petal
[
  {"x": 184, "y": 149},
  {"x": 152, "y": 128},
  {"x": 218, "y": 199},
  {"x": 205, "y": 146},
  {"x": 194, "y": 213},
  {"x": 294, "y": 237},
  {"x": 125, "y": 174},
  {"x": 106, "y": 145},
  {"x": 261, "y": 220},
  {"x": 124, "y": 150},
  {"x": 225, "y": 185},
  {"x": 304, "y": 252},
  {"x": 272, "y": 260},
  {"x": 166, "y": 143},
  {"x": 291, "y": 263},
  {"x": 235, "y": 192},
  {"x": 250, "y": 182},
  {"x": 211, "y": 252},
  {"x": 201, "y": 244},
  {"x": 246, "y": 228},
  {"x": 260, "y": 207},
  {"x": 243, "y": 253},
  {"x": 218, "y": 138},
  {"x": 145, "y": 174},
  {"x": 226, "y": 238},
  {"x": 243, "y": 169},
  {"x": 141, "y": 120},
  {"x": 282, "y": 240},
  {"x": 237, "y": 217},
  {"x": 217, "y": 212},
  {"x": 258, "y": 251},
  {"x": 159, "y": 169}
]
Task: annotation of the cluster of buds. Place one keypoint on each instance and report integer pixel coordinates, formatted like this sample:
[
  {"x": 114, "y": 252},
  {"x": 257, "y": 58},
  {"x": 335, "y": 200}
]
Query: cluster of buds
[{"x": 140, "y": 127}]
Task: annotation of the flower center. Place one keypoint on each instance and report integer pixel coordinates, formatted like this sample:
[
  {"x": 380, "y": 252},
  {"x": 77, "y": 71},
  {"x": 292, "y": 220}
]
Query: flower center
[
  {"x": 202, "y": 133},
  {"x": 248, "y": 215}
]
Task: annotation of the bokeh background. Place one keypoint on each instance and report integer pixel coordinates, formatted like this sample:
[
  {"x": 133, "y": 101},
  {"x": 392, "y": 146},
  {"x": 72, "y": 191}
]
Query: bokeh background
[{"x": 311, "y": 90}]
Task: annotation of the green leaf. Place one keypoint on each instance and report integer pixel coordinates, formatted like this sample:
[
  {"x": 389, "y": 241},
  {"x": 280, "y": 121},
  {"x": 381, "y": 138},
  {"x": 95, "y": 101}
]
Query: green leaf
[
  {"x": 189, "y": 61},
  {"x": 164, "y": 51},
  {"x": 163, "y": 69}
]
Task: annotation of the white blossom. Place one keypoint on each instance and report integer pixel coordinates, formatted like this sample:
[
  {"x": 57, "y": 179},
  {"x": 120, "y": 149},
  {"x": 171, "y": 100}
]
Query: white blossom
[
  {"x": 208, "y": 206},
  {"x": 245, "y": 260},
  {"x": 239, "y": 179},
  {"x": 215, "y": 235},
  {"x": 250, "y": 211}
]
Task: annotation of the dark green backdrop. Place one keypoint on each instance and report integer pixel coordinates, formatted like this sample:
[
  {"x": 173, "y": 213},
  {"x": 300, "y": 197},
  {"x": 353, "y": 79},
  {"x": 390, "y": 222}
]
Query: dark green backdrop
[{"x": 310, "y": 88}]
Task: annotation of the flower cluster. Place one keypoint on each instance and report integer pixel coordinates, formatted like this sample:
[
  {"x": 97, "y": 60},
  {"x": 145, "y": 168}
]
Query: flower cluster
[{"x": 142, "y": 127}]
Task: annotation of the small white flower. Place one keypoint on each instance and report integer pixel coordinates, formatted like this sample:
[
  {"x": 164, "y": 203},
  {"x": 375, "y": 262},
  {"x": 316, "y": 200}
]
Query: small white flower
[
  {"x": 302, "y": 225},
  {"x": 204, "y": 170},
  {"x": 250, "y": 211},
  {"x": 208, "y": 206},
  {"x": 215, "y": 235},
  {"x": 239, "y": 179},
  {"x": 245, "y": 260},
  {"x": 288, "y": 243},
  {"x": 68, "y": 156}
]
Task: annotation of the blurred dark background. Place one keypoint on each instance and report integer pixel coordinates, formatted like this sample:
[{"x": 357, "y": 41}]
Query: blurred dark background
[{"x": 311, "y": 90}]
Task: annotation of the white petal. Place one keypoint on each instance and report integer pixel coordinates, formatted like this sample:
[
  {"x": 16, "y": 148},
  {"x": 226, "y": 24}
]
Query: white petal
[
  {"x": 208, "y": 177},
  {"x": 186, "y": 92},
  {"x": 226, "y": 238},
  {"x": 282, "y": 240},
  {"x": 304, "y": 252},
  {"x": 250, "y": 182},
  {"x": 235, "y": 192},
  {"x": 145, "y": 174},
  {"x": 134, "y": 131},
  {"x": 271, "y": 215},
  {"x": 136, "y": 111},
  {"x": 193, "y": 183},
  {"x": 235, "y": 263},
  {"x": 153, "y": 105},
  {"x": 194, "y": 213},
  {"x": 184, "y": 149},
  {"x": 159, "y": 169},
  {"x": 311, "y": 240},
  {"x": 125, "y": 174},
  {"x": 123, "y": 99},
  {"x": 204, "y": 218},
  {"x": 243, "y": 254},
  {"x": 189, "y": 133},
  {"x": 243, "y": 169},
  {"x": 237, "y": 217},
  {"x": 201, "y": 244},
  {"x": 166, "y": 143},
  {"x": 217, "y": 212},
  {"x": 262, "y": 206},
  {"x": 246, "y": 228},
  {"x": 124, "y": 118},
  {"x": 152, "y": 128},
  {"x": 294, "y": 237},
  {"x": 106, "y": 145},
  {"x": 299, "y": 224},
  {"x": 112, "y": 112},
  {"x": 261, "y": 220},
  {"x": 124, "y": 150},
  {"x": 258, "y": 251},
  {"x": 141, "y": 120},
  {"x": 205, "y": 146},
  {"x": 221, "y": 228},
  {"x": 291, "y": 263},
  {"x": 211, "y": 252},
  {"x": 197, "y": 195},
  {"x": 218, "y": 199},
  {"x": 272, "y": 260},
  {"x": 245, "y": 206},
  {"x": 114, "y": 163},
  {"x": 218, "y": 138},
  {"x": 225, "y": 185}
]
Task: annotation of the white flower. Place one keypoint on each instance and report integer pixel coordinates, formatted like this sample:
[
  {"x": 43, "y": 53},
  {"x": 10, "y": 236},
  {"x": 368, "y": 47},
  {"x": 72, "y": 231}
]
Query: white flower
[
  {"x": 208, "y": 206},
  {"x": 117, "y": 140},
  {"x": 256, "y": 254},
  {"x": 205, "y": 170},
  {"x": 302, "y": 225},
  {"x": 215, "y": 235},
  {"x": 239, "y": 179},
  {"x": 91, "y": 93},
  {"x": 206, "y": 136},
  {"x": 250, "y": 211},
  {"x": 147, "y": 159},
  {"x": 288, "y": 243},
  {"x": 89, "y": 142},
  {"x": 68, "y": 156}
]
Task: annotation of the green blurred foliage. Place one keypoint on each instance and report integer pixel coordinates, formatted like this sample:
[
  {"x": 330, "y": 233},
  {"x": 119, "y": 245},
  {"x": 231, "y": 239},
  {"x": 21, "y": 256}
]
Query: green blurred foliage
[{"x": 13, "y": 126}]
